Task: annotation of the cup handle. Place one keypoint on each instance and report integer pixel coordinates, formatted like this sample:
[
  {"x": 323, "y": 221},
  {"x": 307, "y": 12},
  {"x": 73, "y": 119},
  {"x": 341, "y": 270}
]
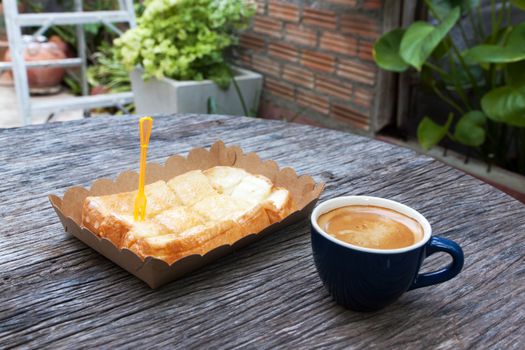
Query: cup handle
[{"x": 440, "y": 244}]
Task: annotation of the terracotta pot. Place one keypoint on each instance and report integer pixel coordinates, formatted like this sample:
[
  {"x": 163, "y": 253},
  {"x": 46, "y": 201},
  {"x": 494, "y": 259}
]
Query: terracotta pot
[
  {"x": 62, "y": 45},
  {"x": 40, "y": 49},
  {"x": 99, "y": 90}
]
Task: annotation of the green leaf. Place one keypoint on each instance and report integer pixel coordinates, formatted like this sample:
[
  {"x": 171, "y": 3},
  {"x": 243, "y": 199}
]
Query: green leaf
[
  {"x": 443, "y": 7},
  {"x": 221, "y": 75},
  {"x": 470, "y": 129},
  {"x": 386, "y": 51},
  {"x": 518, "y": 3},
  {"x": 515, "y": 74},
  {"x": 430, "y": 134},
  {"x": 212, "y": 105},
  {"x": 493, "y": 54},
  {"x": 517, "y": 37},
  {"x": 512, "y": 51},
  {"x": 442, "y": 49},
  {"x": 421, "y": 39},
  {"x": 92, "y": 28},
  {"x": 505, "y": 104},
  {"x": 412, "y": 48}
]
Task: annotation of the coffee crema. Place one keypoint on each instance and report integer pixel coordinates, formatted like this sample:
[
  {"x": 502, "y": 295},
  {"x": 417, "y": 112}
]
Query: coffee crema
[{"x": 371, "y": 227}]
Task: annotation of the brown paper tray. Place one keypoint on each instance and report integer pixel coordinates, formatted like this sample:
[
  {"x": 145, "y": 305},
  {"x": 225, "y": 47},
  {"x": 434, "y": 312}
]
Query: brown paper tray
[{"x": 156, "y": 272}]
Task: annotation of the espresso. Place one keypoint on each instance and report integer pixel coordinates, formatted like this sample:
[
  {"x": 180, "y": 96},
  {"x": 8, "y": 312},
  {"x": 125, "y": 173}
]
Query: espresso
[{"x": 371, "y": 227}]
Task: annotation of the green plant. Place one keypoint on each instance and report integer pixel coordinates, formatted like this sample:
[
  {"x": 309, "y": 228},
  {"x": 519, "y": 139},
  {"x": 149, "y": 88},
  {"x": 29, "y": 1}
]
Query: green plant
[
  {"x": 484, "y": 85},
  {"x": 185, "y": 39},
  {"x": 107, "y": 74},
  {"x": 213, "y": 108},
  {"x": 95, "y": 33},
  {"x": 107, "y": 71}
]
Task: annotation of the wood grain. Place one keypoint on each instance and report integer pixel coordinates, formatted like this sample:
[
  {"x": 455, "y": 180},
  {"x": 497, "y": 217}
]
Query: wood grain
[{"x": 56, "y": 292}]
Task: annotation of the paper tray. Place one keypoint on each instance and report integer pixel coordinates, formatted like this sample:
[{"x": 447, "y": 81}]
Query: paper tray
[{"x": 156, "y": 272}]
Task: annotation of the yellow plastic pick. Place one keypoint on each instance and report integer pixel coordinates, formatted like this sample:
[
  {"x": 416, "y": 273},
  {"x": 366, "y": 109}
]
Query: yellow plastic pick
[{"x": 145, "y": 125}]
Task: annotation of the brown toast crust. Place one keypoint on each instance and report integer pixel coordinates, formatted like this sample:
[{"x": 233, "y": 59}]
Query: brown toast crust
[{"x": 192, "y": 213}]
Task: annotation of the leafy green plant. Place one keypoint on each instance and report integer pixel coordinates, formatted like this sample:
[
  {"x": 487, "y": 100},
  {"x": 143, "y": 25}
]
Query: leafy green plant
[
  {"x": 107, "y": 74},
  {"x": 213, "y": 108},
  {"x": 95, "y": 33},
  {"x": 484, "y": 84},
  {"x": 107, "y": 71},
  {"x": 185, "y": 39}
]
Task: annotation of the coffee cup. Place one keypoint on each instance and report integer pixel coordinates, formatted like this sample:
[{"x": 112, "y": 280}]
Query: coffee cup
[{"x": 368, "y": 279}]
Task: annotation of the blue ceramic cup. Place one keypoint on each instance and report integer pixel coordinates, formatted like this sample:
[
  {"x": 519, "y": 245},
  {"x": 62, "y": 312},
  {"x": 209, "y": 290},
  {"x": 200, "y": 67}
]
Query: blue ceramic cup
[{"x": 366, "y": 279}]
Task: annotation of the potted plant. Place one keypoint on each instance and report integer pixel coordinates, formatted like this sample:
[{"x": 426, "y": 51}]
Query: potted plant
[
  {"x": 479, "y": 75},
  {"x": 176, "y": 57}
]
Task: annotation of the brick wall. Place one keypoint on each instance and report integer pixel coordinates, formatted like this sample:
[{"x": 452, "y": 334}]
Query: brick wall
[{"x": 316, "y": 57}]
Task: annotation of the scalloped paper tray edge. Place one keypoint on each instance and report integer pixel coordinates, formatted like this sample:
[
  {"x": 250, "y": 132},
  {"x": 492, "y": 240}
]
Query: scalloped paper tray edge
[{"x": 156, "y": 272}]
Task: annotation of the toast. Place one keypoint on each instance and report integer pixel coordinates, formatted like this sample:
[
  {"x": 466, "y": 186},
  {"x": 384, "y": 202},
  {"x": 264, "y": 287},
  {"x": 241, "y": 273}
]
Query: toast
[{"x": 192, "y": 213}]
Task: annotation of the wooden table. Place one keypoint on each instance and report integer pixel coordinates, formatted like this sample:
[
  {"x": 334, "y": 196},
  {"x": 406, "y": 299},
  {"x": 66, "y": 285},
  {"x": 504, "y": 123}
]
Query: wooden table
[{"x": 57, "y": 292}]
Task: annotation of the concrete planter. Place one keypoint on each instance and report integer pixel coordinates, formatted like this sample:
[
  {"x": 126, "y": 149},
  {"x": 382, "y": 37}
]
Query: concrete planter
[
  {"x": 172, "y": 96},
  {"x": 505, "y": 180}
]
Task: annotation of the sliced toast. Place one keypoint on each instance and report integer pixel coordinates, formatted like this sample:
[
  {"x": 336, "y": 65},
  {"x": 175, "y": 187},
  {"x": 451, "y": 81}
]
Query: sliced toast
[{"x": 192, "y": 213}]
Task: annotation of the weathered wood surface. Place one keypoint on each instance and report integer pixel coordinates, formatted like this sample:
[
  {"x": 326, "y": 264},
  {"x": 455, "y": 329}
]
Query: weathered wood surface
[{"x": 55, "y": 292}]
